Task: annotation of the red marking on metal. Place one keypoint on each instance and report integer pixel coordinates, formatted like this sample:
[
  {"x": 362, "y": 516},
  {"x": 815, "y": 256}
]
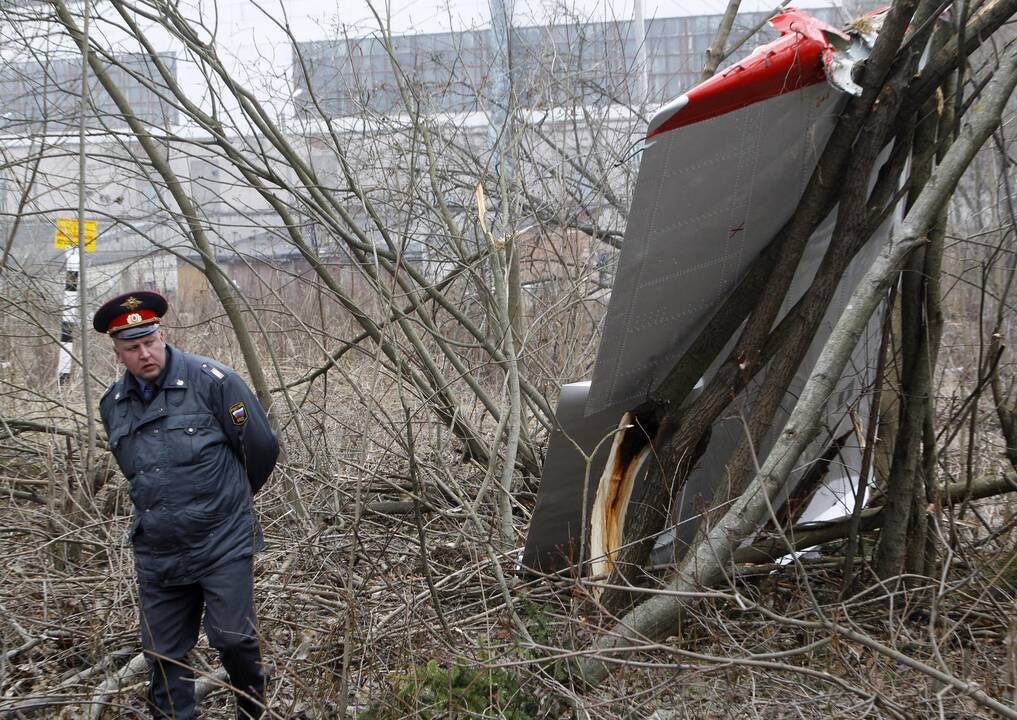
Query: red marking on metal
[{"x": 791, "y": 62}]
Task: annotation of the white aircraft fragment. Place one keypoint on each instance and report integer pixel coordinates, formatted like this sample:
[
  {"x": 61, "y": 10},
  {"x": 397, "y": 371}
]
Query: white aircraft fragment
[{"x": 723, "y": 168}]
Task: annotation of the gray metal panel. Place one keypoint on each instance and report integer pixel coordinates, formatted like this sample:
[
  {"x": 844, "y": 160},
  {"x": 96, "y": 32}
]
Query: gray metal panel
[
  {"x": 684, "y": 253},
  {"x": 836, "y": 496},
  {"x": 553, "y": 541}
]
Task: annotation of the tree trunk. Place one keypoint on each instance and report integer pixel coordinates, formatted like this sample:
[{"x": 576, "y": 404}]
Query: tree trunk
[
  {"x": 715, "y": 53},
  {"x": 903, "y": 541}
]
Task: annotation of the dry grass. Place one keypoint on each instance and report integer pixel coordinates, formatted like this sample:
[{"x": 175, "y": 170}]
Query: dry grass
[
  {"x": 345, "y": 589},
  {"x": 350, "y": 600}
]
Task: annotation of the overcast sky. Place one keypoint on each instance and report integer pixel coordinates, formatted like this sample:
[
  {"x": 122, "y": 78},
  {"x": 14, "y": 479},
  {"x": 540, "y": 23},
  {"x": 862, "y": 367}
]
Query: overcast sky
[{"x": 315, "y": 19}]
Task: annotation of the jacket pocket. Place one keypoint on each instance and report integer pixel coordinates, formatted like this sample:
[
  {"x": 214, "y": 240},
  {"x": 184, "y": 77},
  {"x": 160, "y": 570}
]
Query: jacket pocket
[
  {"x": 190, "y": 438},
  {"x": 196, "y": 446},
  {"x": 198, "y": 526},
  {"x": 122, "y": 445}
]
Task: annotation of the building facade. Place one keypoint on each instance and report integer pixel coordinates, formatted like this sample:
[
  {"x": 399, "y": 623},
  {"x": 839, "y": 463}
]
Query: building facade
[
  {"x": 43, "y": 94},
  {"x": 563, "y": 63}
]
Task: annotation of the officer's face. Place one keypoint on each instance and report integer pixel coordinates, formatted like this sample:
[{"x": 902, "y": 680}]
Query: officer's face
[{"x": 145, "y": 356}]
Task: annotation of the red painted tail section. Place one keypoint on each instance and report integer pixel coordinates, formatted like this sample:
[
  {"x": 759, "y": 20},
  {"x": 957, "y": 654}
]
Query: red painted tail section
[{"x": 791, "y": 62}]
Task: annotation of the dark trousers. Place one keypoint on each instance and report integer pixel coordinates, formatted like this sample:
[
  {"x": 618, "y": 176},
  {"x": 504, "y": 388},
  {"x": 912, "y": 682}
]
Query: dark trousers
[{"x": 170, "y": 617}]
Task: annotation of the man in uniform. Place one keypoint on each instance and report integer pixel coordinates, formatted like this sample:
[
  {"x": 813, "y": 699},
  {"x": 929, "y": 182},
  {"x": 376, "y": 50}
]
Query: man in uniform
[{"x": 195, "y": 446}]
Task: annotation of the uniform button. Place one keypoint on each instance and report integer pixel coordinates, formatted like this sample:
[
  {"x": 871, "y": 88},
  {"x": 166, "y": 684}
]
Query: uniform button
[
  {"x": 141, "y": 472},
  {"x": 157, "y": 469},
  {"x": 155, "y": 432},
  {"x": 148, "y": 509}
]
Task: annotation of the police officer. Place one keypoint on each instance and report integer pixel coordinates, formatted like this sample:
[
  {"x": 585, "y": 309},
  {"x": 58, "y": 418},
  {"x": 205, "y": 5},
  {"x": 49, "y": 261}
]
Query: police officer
[{"x": 195, "y": 446}]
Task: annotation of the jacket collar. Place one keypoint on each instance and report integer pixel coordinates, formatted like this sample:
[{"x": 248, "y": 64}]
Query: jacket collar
[{"x": 174, "y": 376}]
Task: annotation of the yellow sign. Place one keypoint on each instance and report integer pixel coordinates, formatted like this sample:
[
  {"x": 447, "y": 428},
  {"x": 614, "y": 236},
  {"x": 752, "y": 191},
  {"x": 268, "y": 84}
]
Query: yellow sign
[{"x": 67, "y": 234}]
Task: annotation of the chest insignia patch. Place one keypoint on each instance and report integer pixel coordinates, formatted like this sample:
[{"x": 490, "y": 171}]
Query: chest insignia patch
[{"x": 239, "y": 413}]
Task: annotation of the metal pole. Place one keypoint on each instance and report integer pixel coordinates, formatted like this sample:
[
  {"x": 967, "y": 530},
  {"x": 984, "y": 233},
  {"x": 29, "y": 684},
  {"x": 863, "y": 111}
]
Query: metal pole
[
  {"x": 642, "y": 80},
  {"x": 86, "y": 484},
  {"x": 69, "y": 316},
  {"x": 501, "y": 86}
]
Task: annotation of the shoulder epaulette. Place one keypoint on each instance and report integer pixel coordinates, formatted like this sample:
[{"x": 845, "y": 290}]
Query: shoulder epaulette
[{"x": 216, "y": 372}]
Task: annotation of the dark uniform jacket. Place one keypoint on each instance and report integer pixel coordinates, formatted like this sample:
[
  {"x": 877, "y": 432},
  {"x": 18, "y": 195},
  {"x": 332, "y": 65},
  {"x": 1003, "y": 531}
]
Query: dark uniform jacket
[{"x": 194, "y": 457}]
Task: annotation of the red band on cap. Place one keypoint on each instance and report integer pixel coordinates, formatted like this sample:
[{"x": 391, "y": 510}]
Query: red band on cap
[{"x": 134, "y": 318}]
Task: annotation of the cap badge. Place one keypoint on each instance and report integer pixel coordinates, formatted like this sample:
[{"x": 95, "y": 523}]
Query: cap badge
[
  {"x": 133, "y": 318},
  {"x": 131, "y": 303}
]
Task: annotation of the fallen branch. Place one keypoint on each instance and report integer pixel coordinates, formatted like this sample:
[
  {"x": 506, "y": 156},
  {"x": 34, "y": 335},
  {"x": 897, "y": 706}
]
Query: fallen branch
[
  {"x": 133, "y": 670},
  {"x": 136, "y": 670},
  {"x": 808, "y": 535},
  {"x": 396, "y": 507},
  {"x": 14, "y": 427}
]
